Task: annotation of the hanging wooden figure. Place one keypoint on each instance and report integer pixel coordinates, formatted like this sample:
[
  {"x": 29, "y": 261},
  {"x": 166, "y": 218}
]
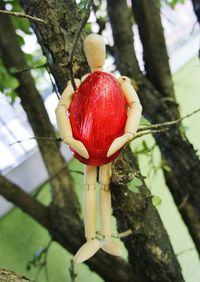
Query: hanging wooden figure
[{"x": 96, "y": 121}]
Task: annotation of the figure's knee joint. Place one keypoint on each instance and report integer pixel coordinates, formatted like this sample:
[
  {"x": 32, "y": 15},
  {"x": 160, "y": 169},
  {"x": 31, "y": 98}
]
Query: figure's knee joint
[
  {"x": 89, "y": 187},
  {"x": 105, "y": 187}
]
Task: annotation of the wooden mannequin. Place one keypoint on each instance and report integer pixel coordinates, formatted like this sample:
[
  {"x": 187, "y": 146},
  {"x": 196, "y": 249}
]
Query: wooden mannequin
[{"x": 94, "y": 48}]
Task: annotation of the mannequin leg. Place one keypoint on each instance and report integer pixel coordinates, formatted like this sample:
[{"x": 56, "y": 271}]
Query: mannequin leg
[
  {"x": 107, "y": 244},
  {"x": 89, "y": 209}
]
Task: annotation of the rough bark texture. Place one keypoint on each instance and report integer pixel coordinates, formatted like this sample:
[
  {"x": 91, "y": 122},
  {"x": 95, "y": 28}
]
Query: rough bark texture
[
  {"x": 150, "y": 253},
  {"x": 10, "y": 276},
  {"x": 28, "y": 204},
  {"x": 57, "y": 36},
  {"x": 63, "y": 222},
  {"x": 164, "y": 245},
  {"x": 156, "y": 61},
  {"x": 183, "y": 180}
]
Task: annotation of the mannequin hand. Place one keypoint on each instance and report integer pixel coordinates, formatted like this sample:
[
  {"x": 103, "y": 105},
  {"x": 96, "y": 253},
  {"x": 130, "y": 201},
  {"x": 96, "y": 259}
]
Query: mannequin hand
[
  {"x": 118, "y": 143},
  {"x": 78, "y": 146}
]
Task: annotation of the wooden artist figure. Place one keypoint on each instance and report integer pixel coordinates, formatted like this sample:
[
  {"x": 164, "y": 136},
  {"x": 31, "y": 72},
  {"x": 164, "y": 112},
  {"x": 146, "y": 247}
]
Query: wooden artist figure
[{"x": 96, "y": 121}]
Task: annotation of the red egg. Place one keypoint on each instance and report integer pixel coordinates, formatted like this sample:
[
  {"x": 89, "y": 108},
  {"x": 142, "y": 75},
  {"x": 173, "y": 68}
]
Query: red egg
[{"x": 98, "y": 114}]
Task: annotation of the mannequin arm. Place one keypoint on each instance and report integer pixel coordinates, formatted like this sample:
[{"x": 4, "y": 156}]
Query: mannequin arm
[
  {"x": 133, "y": 119},
  {"x": 135, "y": 108},
  {"x": 63, "y": 122}
]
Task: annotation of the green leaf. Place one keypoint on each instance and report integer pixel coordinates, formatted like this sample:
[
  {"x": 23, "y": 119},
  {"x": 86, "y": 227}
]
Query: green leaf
[
  {"x": 136, "y": 182},
  {"x": 19, "y": 23},
  {"x": 133, "y": 189},
  {"x": 20, "y": 40},
  {"x": 183, "y": 129},
  {"x": 156, "y": 201},
  {"x": 167, "y": 168},
  {"x": 173, "y": 3},
  {"x": 12, "y": 95},
  {"x": 144, "y": 121},
  {"x": 7, "y": 82}
]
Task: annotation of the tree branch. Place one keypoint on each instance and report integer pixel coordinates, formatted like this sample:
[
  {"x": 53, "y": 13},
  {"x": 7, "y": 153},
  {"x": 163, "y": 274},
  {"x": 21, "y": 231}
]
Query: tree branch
[
  {"x": 168, "y": 123},
  {"x": 22, "y": 15},
  {"x": 10, "y": 276},
  {"x": 23, "y": 200},
  {"x": 72, "y": 272}
]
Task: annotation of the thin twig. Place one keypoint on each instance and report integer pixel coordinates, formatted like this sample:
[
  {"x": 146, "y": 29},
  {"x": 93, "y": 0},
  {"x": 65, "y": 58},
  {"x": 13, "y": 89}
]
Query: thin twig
[
  {"x": 184, "y": 201},
  {"x": 119, "y": 235},
  {"x": 39, "y": 261},
  {"x": 75, "y": 41},
  {"x": 142, "y": 130},
  {"x": 168, "y": 123},
  {"x": 49, "y": 179},
  {"x": 72, "y": 273},
  {"x": 22, "y": 15},
  {"x": 76, "y": 171},
  {"x": 152, "y": 131},
  {"x": 29, "y": 68},
  {"x": 185, "y": 251},
  {"x": 40, "y": 188},
  {"x": 37, "y": 138},
  {"x": 53, "y": 84}
]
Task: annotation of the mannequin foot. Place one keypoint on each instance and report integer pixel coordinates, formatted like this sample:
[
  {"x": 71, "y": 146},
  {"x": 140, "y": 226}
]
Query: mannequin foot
[
  {"x": 87, "y": 250},
  {"x": 111, "y": 247}
]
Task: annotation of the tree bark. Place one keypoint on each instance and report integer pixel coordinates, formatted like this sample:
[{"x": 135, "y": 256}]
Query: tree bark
[
  {"x": 156, "y": 60},
  {"x": 150, "y": 253},
  {"x": 10, "y": 276},
  {"x": 23, "y": 200},
  {"x": 162, "y": 276},
  {"x": 56, "y": 38},
  {"x": 183, "y": 179}
]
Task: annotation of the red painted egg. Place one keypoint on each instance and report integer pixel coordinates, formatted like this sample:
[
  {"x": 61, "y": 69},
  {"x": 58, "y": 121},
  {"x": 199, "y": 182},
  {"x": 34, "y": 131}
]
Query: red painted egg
[{"x": 98, "y": 114}]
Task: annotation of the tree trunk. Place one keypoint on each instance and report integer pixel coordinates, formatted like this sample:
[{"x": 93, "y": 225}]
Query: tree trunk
[
  {"x": 149, "y": 249},
  {"x": 183, "y": 179},
  {"x": 10, "y": 276},
  {"x": 156, "y": 61},
  {"x": 56, "y": 38},
  {"x": 151, "y": 259}
]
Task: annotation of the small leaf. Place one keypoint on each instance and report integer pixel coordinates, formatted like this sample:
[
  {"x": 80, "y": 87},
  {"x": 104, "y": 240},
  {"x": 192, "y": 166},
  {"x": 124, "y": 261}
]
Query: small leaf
[
  {"x": 136, "y": 182},
  {"x": 133, "y": 189},
  {"x": 166, "y": 167},
  {"x": 144, "y": 121},
  {"x": 183, "y": 129},
  {"x": 156, "y": 201}
]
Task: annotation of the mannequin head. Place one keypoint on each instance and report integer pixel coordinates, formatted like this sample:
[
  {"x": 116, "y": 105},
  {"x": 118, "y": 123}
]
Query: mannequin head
[{"x": 94, "y": 47}]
